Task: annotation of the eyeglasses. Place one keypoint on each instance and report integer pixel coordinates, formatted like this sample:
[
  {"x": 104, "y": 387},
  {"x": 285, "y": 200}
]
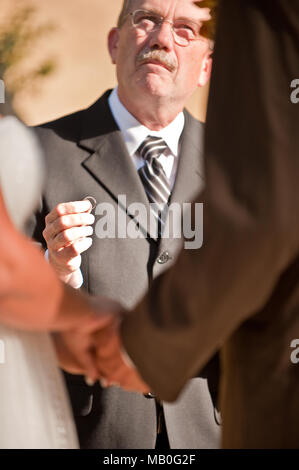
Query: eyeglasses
[{"x": 184, "y": 30}]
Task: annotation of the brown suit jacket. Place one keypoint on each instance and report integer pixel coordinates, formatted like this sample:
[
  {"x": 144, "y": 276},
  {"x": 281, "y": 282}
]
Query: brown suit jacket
[{"x": 240, "y": 291}]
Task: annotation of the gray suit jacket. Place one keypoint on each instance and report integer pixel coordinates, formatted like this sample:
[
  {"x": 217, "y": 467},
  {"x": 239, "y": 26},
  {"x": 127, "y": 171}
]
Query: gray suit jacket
[{"x": 86, "y": 155}]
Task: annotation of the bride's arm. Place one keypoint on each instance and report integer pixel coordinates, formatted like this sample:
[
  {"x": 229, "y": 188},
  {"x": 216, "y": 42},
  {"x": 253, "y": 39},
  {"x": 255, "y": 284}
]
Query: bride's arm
[{"x": 30, "y": 293}]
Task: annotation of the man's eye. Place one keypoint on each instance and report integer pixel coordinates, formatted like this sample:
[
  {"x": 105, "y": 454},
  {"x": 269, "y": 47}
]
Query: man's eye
[
  {"x": 185, "y": 28},
  {"x": 147, "y": 19}
]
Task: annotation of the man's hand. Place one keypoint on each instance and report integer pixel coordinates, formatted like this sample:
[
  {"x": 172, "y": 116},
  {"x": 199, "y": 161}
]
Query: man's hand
[
  {"x": 76, "y": 342},
  {"x": 113, "y": 364},
  {"x": 91, "y": 344},
  {"x": 67, "y": 232},
  {"x": 76, "y": 347}
]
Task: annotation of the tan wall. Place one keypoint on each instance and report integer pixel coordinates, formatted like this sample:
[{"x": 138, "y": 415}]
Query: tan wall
[{"x": 78, "y": 45}]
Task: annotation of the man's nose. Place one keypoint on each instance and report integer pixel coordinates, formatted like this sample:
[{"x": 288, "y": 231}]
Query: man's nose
[{"x": 162, "y": 37}]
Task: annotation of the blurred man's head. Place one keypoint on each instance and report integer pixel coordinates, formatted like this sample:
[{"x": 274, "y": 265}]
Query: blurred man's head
[{"x": 160, "y": 55}]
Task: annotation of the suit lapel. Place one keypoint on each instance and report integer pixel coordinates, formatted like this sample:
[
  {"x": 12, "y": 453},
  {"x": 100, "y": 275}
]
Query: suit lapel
[{"x": 189, "y": 180}]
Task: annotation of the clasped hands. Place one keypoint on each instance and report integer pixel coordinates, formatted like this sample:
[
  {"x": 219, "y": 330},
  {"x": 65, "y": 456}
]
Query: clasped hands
[{"x": 95, "y": 350}]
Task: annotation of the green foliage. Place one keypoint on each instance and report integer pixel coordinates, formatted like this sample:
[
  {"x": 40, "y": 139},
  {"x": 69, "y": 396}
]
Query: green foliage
[{"x": 17, "y": 38}]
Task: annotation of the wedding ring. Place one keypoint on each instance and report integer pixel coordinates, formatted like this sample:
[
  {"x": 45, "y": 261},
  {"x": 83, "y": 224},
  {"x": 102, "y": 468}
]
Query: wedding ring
[{"x": 92, "y": 201}]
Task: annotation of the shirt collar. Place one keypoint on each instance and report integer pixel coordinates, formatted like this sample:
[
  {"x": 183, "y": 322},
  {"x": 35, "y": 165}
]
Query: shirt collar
[{"x": 134, "y": 132}]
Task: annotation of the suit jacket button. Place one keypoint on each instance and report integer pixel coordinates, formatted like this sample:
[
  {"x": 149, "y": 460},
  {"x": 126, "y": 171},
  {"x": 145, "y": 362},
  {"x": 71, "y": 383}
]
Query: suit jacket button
[
  {"x": 163, "y": 258},
  {"x": 149, "y": 395}
]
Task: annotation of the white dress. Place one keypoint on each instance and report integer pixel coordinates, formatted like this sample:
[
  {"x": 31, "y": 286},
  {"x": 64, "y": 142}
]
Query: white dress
[{"x": 34, "y": 408}]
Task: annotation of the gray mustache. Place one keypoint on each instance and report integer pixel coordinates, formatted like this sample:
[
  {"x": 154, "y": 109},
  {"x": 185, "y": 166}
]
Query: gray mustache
[{"x": 159, "y": 55}]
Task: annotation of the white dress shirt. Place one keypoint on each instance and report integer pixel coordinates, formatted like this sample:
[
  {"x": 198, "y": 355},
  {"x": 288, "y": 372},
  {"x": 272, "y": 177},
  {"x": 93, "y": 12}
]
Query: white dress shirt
[{"x": 134, "y": 133}]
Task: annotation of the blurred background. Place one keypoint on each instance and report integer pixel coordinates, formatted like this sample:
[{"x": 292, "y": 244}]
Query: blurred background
[{"x": 54, "y": 58}]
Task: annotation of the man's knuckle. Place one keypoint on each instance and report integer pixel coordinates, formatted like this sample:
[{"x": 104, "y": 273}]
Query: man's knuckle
[
  {"x": 65, "y": 236},
  {"x": 60, "y": 208},
  {"x": 70, "y": 267},
  {"x": 45, "y": 234},
  {"x": 52, "y": 245},
  {"x": 73, "y": 250},
  {"x": 63, "y": 222},
  {"x": 69, "y": 264}
]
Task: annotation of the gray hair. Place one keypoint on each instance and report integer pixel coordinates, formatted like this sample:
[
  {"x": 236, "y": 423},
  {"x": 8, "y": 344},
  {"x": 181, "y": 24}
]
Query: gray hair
[{"x": 124, "y": 12}]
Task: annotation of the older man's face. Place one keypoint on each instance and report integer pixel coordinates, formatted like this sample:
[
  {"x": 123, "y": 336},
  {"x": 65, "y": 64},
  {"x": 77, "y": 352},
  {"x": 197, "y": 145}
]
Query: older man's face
[{"x": 154, "y": 64}]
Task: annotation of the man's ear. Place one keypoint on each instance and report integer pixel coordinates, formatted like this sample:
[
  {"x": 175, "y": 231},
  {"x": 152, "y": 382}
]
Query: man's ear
[
  {"x": 206, "y": 69},
  {"x": 113, "y": 40}
]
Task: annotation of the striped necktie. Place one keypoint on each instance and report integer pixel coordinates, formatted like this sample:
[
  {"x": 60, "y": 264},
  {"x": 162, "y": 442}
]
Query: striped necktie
[{"x": 154, "y": 179}]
